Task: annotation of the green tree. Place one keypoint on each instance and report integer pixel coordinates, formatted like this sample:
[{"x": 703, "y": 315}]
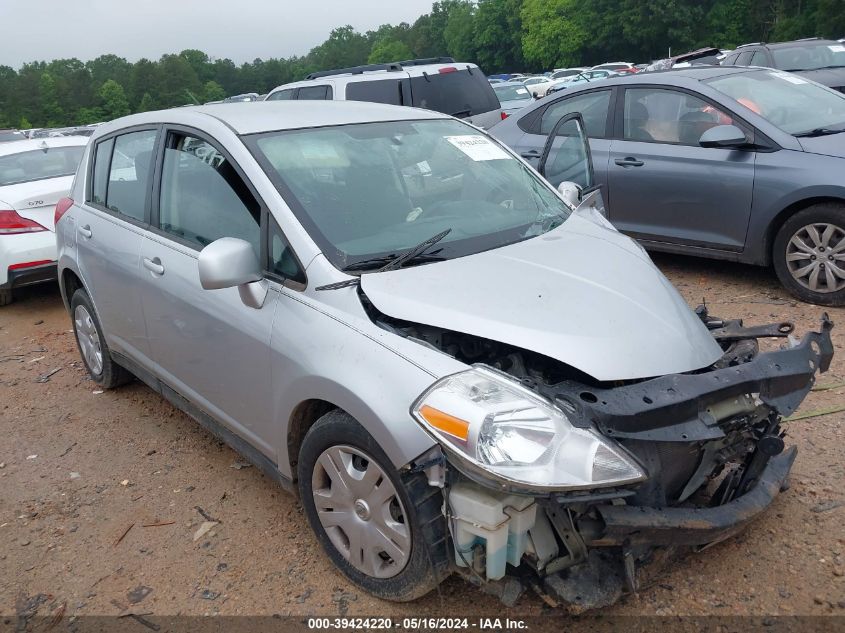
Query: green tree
[
  {"x": 51, "y": 112},
  {"x": 146, "y": 104},
  {"x": 498, "y": 32},
  {"x": 113, "y": 101},
  {"x": 213, "y": 91},
  {"x": 345, "y": 47},
  {"x": 459, "y": 31},
  {"x": 24, "y": 124},
  {"x": 389, "y": 50},
  {"x": 550, "y": 35}
]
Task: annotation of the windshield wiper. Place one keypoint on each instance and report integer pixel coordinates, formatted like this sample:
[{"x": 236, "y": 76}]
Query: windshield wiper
[
  {"x": 819, "y": 131},
  {"x": 461, "y": 113},
  {"x": 395, "y": 262}
]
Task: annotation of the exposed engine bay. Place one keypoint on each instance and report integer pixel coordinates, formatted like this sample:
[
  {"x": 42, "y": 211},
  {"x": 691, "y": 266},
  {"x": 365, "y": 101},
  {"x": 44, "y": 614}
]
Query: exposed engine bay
[{"x": 711, "y": 442}]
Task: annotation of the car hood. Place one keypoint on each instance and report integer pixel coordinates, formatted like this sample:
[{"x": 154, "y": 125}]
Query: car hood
[
  {"x": 582, "y": 294},
  {"x": 833, "y": 77},
  {"x": 830, "y": 145}
]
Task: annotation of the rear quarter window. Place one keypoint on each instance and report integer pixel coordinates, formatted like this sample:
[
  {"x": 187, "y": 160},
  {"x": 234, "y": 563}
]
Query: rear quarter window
[
  {"x": 389, "y": 91},
  {"x": 458, "y": 93}
]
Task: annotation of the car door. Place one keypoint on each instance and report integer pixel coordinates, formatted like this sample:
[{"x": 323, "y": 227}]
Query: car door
[
  {"x": 207, "y": 344},
  {"x": 663, "y": 186},
  {"x": 109, "y": 232},
  {"x": 594, "y": 107}
]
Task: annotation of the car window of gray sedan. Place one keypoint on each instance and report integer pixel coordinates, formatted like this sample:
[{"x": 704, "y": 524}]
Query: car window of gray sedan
[
  {"x": 668, "y": 116},
  {"x": 129, "y": 173},
  {"x": 592, "y": 106},
  {"x": 202, "y": 196},
  {"x": 283, "y": 261}
]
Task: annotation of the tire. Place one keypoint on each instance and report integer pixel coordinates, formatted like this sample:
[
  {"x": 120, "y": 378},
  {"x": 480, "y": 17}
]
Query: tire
[
  {"x": 90, "y": 340},
  {"x": 5, "y": 297},
  {"x": 813, "y": 240},
  {"x": 426, "y": 560}
]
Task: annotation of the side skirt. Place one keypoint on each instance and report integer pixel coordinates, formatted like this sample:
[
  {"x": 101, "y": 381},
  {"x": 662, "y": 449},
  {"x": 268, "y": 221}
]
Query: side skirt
[{"x": 210, "y": 424}]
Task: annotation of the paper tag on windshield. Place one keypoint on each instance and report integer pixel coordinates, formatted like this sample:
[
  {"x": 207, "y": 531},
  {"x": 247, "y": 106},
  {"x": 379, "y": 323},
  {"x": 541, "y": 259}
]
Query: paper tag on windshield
[
  {"x": 477, "y": 147},
  {"x": 790, "y": 78},
  {"x": 837, "y": 48},
  {"x": 522, "y": 91}
]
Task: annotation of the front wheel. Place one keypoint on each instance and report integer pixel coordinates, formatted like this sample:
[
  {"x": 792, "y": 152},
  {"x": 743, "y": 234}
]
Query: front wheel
[
  {"x": 809, "y": 254},
  {"x": 384, "y": 531}
]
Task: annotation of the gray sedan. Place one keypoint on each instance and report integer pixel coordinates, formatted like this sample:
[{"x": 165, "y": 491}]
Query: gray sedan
[{"x": 729, "y": 163}]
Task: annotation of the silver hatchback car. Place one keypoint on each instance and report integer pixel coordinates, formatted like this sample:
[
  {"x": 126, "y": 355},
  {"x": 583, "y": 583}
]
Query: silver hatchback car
[{"x": 457, "y": 367}]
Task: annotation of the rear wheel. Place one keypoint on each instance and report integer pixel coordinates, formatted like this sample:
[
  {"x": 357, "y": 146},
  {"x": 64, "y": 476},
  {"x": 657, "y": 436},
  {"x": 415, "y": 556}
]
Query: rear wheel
[
  {"x": 809, "y": 254},
  {"x": 383, "y": 530},
  {"x": 92, "y": 344},
  {"x": 5, "y": 297}
]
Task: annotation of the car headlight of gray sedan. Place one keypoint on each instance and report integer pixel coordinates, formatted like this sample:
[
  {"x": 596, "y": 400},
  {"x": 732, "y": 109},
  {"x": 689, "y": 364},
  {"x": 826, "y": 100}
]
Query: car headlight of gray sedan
[{"x": 494, "y": 425}]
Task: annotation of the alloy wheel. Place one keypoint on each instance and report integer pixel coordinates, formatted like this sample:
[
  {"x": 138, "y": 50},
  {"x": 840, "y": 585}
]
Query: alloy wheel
[
  {"x": 89, "y": 339},
  {"x": 361, "y": 512},
  {"x": 815, "y": 257}
]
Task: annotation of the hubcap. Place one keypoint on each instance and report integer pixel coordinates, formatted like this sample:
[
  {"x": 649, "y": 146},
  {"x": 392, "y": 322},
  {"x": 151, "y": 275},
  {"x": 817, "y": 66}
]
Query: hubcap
[
  {"x": 89, "y": 340},
  {"x": 361, "y": 512},
  {"x": 815, "y": 257}
]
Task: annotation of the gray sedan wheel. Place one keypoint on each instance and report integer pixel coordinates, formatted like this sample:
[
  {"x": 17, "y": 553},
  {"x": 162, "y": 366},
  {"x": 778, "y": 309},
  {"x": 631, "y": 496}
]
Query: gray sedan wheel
[
  {"x": 815, "y": 256},
  {"x": 88, "y": 339},
  {"x": 360, "y": 510},
  {"x": 809, "y": 254}
]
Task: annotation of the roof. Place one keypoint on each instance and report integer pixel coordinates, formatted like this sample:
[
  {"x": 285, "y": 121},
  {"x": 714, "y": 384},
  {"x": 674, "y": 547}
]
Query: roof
[
  {"x": 30, "y": 144},
  {"x": 264, "y": 116},
  {"x": 800, "y": 43}
]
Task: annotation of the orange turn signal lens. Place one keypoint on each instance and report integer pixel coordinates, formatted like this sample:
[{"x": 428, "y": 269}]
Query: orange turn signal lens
[{"x": 449, "y": 424}]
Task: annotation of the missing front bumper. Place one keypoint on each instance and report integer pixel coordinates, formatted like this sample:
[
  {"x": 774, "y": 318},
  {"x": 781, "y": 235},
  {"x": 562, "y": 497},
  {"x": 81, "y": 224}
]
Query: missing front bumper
[{"x": 638, "y": 525}]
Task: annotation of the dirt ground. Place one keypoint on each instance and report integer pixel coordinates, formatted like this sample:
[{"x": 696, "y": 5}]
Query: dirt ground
[{"x": 101, "y": 495}]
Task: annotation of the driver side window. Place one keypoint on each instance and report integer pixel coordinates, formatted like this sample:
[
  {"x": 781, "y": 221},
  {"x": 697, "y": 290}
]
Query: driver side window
[{"x": 202, "y": 196}]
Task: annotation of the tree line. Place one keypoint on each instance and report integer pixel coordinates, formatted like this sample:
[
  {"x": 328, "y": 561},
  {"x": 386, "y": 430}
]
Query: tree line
[{"x": 499, "y": 35}]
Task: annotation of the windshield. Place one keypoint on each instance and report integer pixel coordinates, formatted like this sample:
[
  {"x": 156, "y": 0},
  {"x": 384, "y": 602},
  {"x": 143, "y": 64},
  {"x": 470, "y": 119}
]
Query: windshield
[
  {"x": 793, "y": 104},
  {"x": 511, "y": 92},
  {"x": 810, "y": 56},
  {"x": 370, "y": 190},
  {"x": 39, "y": 164},
  {"x": 459, "y": 93}
]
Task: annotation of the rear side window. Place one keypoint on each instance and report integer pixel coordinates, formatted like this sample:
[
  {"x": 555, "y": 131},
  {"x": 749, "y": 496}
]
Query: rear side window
[
  {"x": 744, "y": 58},
  {"x": 593, "y": 107},
  {"x": 39, "y": 164},
  {"x": 314, "y": 93},
  {"x": 389, "y": 91},
  {"x": 202, "y": 196},
  {"x": 122, "y": 171},
  {"x": 758, "y": 59},
  {"x": 102, "y": 157},
  {"x": 730, "y": 60},
  {"x": 282, "y": 95},
  {"x": 458, "y": 93}
]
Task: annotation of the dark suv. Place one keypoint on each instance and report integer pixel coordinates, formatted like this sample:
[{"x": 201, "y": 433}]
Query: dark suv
[{"x": 820, "y": 60}]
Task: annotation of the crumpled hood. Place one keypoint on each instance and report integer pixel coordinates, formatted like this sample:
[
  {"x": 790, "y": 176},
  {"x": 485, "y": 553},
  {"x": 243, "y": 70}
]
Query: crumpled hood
[{"x": 582, "y": 294}]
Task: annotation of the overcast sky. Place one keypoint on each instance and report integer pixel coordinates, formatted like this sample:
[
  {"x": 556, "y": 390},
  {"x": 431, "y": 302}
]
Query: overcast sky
[{"x": 239, "y": 29}]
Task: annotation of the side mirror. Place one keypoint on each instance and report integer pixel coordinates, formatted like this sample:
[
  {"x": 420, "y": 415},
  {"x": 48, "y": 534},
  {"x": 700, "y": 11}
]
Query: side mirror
[
  {"x": 571, "y": 193},
  {"x": 230, "y": 262},
  {"x": 724, "y": 136}
]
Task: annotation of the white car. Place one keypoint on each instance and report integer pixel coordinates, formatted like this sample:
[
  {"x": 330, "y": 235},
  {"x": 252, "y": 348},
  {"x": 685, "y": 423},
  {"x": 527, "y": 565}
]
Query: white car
[
  {"x": 34, "y": 175},
  {"x": 538, "y": 85}
]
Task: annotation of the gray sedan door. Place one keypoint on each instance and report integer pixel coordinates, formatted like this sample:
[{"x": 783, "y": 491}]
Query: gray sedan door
[
  {"x": 207, "y": 344},
  {"x": 664, "y": 187}
]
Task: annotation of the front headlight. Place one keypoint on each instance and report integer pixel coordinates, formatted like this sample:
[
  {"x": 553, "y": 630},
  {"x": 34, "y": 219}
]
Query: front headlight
[{"x": 485, "y": 418}]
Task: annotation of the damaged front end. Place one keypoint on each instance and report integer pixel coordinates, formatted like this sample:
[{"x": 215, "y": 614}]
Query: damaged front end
[{"x": 698, "y": 456}]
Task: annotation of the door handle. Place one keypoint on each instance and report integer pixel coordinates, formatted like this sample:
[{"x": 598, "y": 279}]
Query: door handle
[
  {"x": 629, "y": 161},
  {"x": 86, "y": 231},
  {"x": 531, "y": 153},
  {"x": 154, "y": 265}
]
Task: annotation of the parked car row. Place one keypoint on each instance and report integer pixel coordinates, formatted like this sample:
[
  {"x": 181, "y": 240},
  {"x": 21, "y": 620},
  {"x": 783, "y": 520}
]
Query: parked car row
[{"x": 460, "y": 369}]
